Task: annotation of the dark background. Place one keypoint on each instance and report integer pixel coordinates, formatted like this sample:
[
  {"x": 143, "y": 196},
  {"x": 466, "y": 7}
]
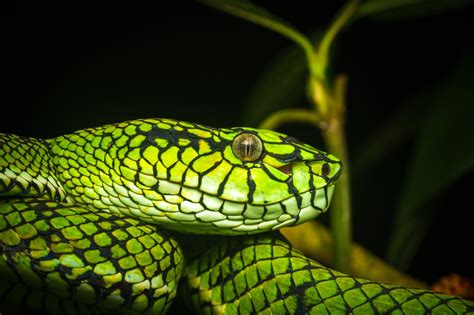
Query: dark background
[{"x": 69, "y": 66}]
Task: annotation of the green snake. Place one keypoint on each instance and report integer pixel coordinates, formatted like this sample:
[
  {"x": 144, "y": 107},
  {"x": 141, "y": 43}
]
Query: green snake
[{"x": 126, "y": 217}]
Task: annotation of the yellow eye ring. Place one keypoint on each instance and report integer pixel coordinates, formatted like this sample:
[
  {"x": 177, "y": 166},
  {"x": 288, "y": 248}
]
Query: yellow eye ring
[{"x": 247, "y": 147}]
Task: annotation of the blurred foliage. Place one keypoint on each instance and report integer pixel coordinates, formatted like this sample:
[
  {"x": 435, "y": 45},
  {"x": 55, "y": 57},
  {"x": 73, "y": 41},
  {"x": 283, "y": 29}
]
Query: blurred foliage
[
  {"x": 436, "y": 121},
  {"x": 402, "y": 9},
  {"x": 443, "y": 152}
]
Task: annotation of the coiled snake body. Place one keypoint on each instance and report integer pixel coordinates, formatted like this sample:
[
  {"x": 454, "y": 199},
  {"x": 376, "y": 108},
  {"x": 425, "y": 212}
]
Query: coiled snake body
[{"x": 107, "y": 220}]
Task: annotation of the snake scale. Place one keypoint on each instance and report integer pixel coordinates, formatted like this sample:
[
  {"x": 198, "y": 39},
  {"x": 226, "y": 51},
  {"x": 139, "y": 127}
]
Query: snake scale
[{"x": 126, "y": 217}]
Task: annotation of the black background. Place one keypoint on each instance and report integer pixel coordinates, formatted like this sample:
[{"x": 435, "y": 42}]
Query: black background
[{"x": 67, "y": 66}]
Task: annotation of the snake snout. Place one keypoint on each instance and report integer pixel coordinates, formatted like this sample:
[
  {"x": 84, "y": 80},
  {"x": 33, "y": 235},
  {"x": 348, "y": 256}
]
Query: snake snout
[
  {"x": 332, "y": 171},
  {"x": 328, "y": 170}
]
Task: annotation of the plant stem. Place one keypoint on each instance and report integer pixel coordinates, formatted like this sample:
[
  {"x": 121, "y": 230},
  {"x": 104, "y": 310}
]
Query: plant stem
[
  {"x": 330, "y": 103},
  {"x": 333, "y": 133},
  {"x": 341, "y": 225},
  {"x": 322, "y": 53}
]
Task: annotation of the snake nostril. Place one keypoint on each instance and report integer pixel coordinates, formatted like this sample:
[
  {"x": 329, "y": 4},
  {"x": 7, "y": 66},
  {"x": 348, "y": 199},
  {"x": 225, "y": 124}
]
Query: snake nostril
[
  {"x": 287, "y": 169},
  {"x": 326, "y": 169}
]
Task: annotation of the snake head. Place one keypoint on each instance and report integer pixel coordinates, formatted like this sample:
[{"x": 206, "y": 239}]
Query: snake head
[
  {"x": 283, "y": 181},
  {"x": 197, "y": 179},
  {"x": 250, "y": 180}
]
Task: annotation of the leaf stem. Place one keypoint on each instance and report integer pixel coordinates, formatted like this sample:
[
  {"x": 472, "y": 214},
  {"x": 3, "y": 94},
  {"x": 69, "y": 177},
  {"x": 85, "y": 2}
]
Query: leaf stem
[
  {"x": 291, "y": 115},
  {"x": 322, "y": 54},
  {"x": 374, "y": 7}
]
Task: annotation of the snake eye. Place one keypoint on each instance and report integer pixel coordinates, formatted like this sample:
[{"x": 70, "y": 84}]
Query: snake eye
[{"x": 247, "y": 147}]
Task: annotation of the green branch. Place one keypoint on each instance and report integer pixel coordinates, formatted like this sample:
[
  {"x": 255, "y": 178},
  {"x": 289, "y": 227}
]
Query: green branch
[
  {"x": 322, "y": 55},
  {"x": 292, "y": 115}
]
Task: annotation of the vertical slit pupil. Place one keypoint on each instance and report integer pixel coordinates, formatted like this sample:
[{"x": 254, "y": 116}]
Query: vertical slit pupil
[{"x": 248, "y": 147}]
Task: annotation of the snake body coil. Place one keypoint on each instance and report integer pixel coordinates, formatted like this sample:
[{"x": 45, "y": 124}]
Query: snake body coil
[{"x": 80, "y": 219}]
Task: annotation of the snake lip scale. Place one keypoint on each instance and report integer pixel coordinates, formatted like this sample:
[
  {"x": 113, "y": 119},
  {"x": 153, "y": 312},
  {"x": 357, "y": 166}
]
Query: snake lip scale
[{"x": 101, "y": 220}]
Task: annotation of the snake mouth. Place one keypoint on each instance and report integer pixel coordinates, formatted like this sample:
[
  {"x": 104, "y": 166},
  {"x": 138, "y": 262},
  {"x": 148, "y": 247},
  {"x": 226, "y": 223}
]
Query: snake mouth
[
  {"x": 318, "y": 203},
  {"x": 209, "y": 215}
]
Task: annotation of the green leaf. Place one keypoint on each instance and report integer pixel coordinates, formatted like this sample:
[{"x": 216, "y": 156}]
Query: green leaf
[
  {"x": 249, "y": 11},
  {"x": 444, "y": 152},
  {"x": 400, "y": 126},
  {"x": 401, "y": 9}
]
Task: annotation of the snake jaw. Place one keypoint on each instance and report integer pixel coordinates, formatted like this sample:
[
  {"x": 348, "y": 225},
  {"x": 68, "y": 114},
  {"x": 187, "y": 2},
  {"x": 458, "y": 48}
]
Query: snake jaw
[{"x": 312, "y": 204}]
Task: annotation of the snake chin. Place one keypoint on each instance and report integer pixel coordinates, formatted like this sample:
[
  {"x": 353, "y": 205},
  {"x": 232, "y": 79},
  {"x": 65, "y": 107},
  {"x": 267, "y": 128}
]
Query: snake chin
[{"x": 319, "y": 202}]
